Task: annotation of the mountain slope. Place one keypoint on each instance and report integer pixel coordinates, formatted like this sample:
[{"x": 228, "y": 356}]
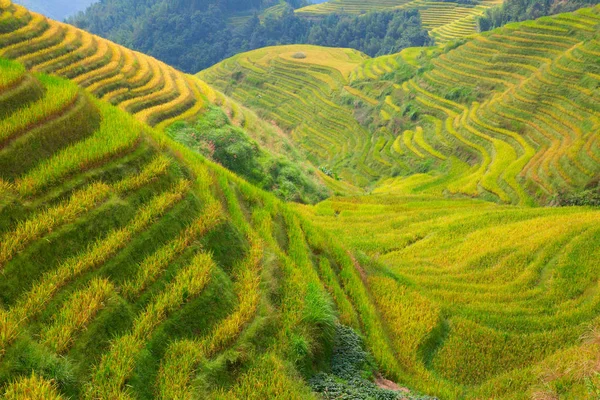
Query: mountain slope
[
  {"x": 150, "y": 90},
  {"x": 510, "y": 115},
  {"x": 133, "y": 267},
  {"x": 481, "y": 301},
  {"x": 445, "y": 20}
]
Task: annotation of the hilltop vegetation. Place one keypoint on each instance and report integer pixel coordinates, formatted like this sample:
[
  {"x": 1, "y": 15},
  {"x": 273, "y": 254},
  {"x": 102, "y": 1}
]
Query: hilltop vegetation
[
  {"x": 194, "y": 39},
  {"x": 445, "y": 20},
  {"x": 216, "y": 138}
]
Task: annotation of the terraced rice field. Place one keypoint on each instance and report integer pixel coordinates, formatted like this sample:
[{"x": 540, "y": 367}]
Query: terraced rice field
[
  {"x": 349, "y": 7},
  {"x": 141, "y": 85},
  {"x": 134, "y": 268},
  {"x": 511, "y": 115},
  {"x": 481, "y": 300},
  {"x": 445, "y": 21},
  {"x": 535, "y": 134},
  {"x": 148, "y": 89},
  {"x": 297, "y": 94}
]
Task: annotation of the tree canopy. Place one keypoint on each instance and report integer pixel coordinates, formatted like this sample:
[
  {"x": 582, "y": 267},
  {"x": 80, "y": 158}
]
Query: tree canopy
[{"x": 193, "y": 35}]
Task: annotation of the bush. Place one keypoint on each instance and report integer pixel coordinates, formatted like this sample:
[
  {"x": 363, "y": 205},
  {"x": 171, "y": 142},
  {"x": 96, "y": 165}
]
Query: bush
[
  {"x": 352, "y": 370},
  {"x": 216, "y": 138}
]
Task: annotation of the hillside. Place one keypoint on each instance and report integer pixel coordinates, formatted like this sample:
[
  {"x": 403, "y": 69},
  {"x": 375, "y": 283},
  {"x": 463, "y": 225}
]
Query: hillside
[
  {"x": 481, "y": 301},
  {"x": 445, "y": 20},
  {"x": 194, "y": 36},
  {"x": 152, "y": 91},
  {"x": 133, "y": 267},
  {"x": 510, "y": 115}
]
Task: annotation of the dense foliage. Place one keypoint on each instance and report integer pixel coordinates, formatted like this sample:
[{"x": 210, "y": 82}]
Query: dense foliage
[
  {"x": 215, "y": 137},
  {"x": 352, "y": 370},
  {"x": 193, "y": 36},
  {"x": 523, "y": 10}
]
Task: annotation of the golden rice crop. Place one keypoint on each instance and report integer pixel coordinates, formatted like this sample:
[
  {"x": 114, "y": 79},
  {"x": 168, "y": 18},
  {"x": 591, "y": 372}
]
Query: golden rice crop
[
  {"x": 183, "y": 356},
  {"x": 12, "y": 72},
  {"x": 115, "y": 367},
  {"x": 155, "y": 264},
  {"x": 117, "y": 133},
  {"x": 63, "y": 94},
  {"x": 77, "y": 312},
  {"x": 42, "y": 292},
  {"x": 33, "y": 387},
  {"x": 48, "y": 220}
]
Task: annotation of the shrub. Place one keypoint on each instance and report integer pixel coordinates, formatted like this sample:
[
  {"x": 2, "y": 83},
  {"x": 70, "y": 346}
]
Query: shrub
[{"x": 216, "y": 138}]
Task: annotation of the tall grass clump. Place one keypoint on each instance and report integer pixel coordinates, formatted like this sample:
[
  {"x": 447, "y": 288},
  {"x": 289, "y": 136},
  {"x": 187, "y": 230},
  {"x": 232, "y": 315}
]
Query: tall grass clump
[
  {"x": 77, "y": 312},
  {"x": 32, "y": 388}
]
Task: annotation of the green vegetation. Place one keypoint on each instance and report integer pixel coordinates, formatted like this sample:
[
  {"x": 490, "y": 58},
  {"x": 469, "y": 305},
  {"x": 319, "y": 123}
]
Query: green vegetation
[
  {"x": 523, "y": 10},
  {"x": 445, "y": 20},
  {"x": 216, "y": 138},
  {"x": 508, "y": 115},
  {"x": 481, "y": 300},
  {"x": 134, "y": 265},
  {"x": 477, "y": 299},
  {"x": 137, "y": 267},
  {"x": 210, "y": 38},
  {"x": 351, "y": 372}
]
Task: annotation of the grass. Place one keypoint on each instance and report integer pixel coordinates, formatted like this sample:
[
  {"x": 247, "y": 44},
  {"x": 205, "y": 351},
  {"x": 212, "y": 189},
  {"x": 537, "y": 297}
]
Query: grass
[
  {"x": 118, "y": 132},
  {"x": 33, "y": 387},
  {"x": 183, "y": 356},
  {"x": 42, "y": 292},
  {"x": 12, "y": 73},
  {"x": 114, "y": 239},
  {"x": 76, "y": 314}
]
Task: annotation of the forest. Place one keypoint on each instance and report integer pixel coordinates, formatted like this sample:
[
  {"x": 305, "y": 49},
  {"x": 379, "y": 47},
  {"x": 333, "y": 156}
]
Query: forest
[{"x": 195, "y": 35}]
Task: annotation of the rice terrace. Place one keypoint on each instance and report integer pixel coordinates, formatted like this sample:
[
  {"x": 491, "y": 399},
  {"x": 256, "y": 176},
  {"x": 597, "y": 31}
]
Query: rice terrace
[{"x": 290, "y": 199}]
